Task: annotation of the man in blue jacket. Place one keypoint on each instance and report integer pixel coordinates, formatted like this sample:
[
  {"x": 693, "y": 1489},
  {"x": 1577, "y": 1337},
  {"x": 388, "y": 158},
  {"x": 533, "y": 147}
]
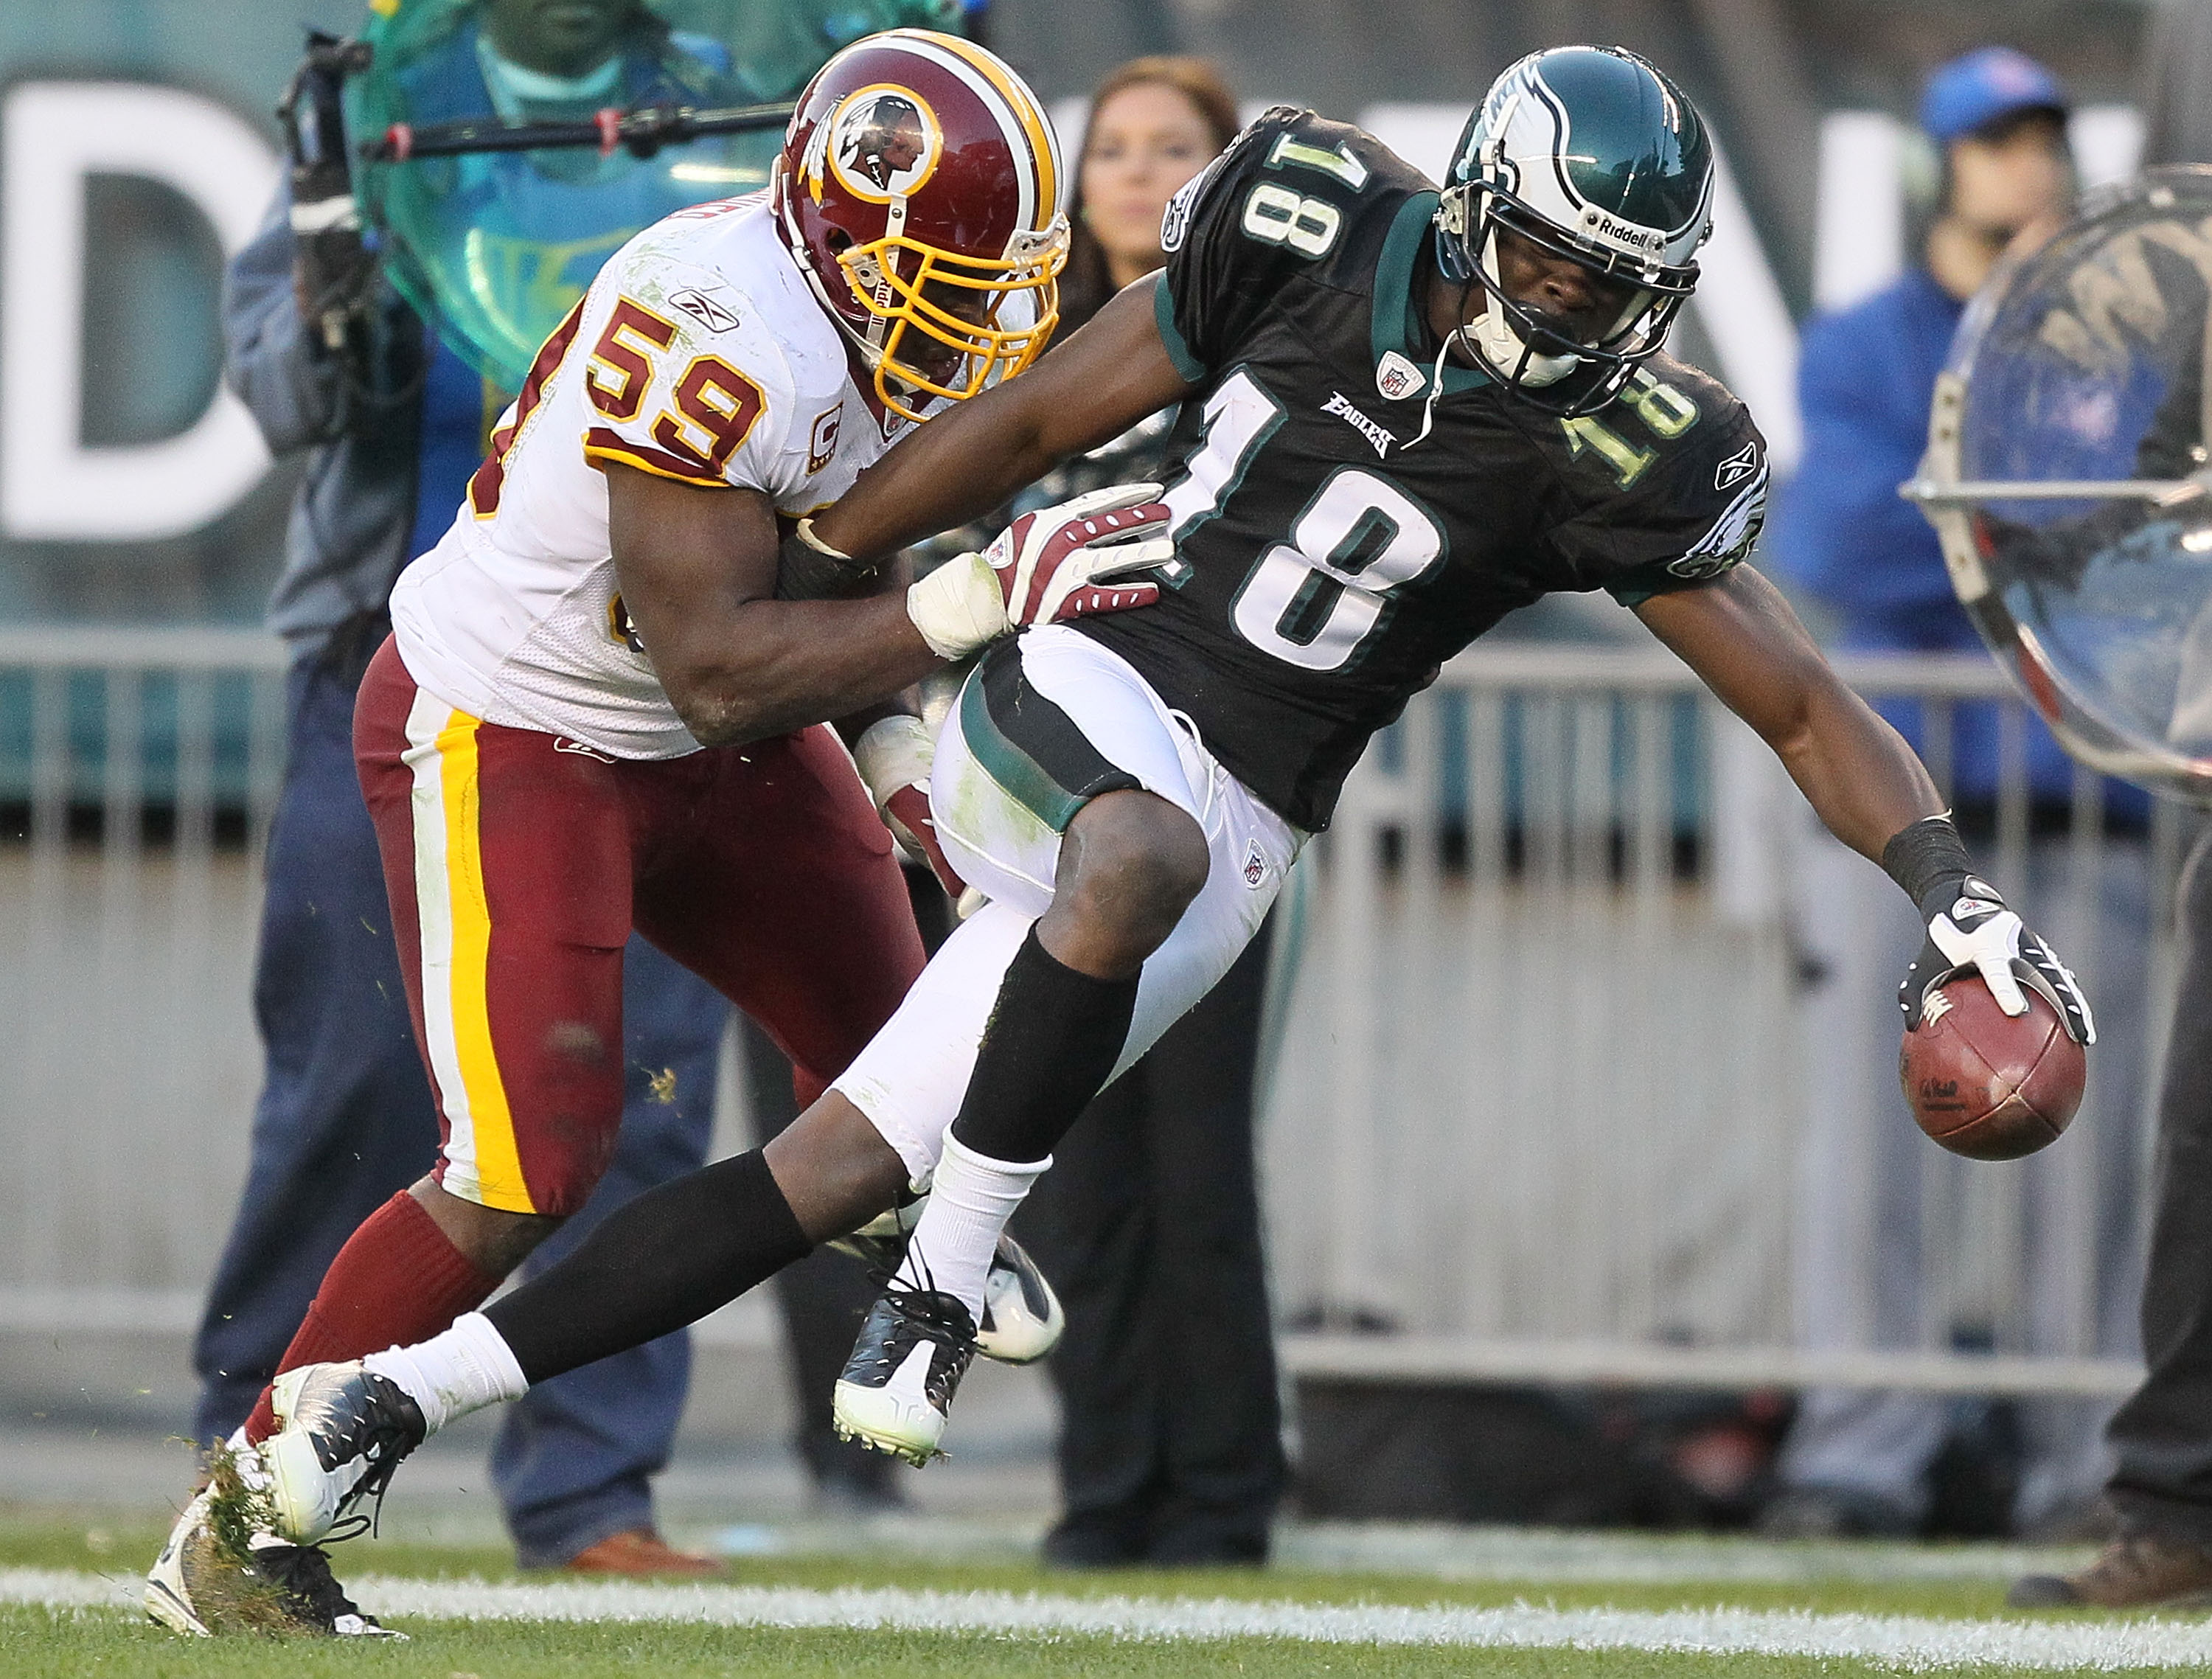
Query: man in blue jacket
[{"x": 1856, "y": 1461}]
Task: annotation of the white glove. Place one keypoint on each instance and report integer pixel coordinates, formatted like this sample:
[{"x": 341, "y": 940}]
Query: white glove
[
  {"x": 1059, "y": 562},
  {"x": 1976, "y": 931},
  {"x": 895, "y": 755}
]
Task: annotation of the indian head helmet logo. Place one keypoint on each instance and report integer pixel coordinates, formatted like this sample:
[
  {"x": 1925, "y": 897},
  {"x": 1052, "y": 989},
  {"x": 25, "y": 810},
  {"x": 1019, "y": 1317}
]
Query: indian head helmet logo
[{"x": 884, "y": 143}]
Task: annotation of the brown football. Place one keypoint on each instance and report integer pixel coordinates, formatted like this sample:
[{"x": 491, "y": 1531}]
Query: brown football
[{"x": 1986, "y": 1084}]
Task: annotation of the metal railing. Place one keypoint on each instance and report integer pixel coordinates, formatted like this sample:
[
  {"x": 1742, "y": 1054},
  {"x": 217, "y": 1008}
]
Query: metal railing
[
  {"x": 1542, "y": 1112},
  {"x": 1538, "y": 1109},
  {"x": 137, "y": 771}
]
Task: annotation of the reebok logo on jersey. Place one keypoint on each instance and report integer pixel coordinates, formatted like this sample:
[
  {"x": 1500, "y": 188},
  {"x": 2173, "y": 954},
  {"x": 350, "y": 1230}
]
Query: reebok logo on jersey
[
  {"x": 703, "y": 308},
  {"x": 1382, "y": 437},
  {"x": 1737, "y": 467},
  {"x": 562, "y": 744},
  {"x": 1396, "y": 378}
]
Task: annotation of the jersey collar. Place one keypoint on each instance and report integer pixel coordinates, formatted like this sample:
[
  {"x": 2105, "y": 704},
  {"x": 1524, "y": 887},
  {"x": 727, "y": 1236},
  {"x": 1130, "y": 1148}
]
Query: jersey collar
[{"x": 1397, "y": 324}]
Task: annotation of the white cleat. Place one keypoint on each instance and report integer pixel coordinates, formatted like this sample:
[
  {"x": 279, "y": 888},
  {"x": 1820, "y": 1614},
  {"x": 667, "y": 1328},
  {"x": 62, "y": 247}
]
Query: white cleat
[
  {"x": 343, "y": 1432},
  {"x": 199, "y": 1588},
  {"x": 1023, "y": 1320},
  {"x": 183, "y": 1556},
  {"x": 896, "y": 1395}
]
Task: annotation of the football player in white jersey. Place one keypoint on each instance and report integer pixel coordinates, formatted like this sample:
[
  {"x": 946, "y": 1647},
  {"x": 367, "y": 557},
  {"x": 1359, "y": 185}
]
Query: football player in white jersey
[{"x": 594, "y": 715}]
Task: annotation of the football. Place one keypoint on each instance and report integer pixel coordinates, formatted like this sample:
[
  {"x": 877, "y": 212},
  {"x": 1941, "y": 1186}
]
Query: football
[{"x": 1986, "y": 1084}]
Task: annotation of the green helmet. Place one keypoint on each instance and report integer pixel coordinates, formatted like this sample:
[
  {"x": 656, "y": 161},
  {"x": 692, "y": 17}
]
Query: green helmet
[{"x": 1594, "y": 154}]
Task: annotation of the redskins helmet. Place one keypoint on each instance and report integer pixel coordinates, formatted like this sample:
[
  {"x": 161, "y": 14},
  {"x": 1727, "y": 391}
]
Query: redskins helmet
[
  {"x": 1594, "y": 155},
  {"x": 920, "y": 191}
]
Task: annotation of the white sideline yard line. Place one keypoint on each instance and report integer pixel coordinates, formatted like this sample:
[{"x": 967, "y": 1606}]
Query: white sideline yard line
[{"x": 1910, "y": 1643}]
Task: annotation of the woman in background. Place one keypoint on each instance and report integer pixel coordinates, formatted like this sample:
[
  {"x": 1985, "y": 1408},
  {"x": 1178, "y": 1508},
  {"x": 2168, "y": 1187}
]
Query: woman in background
[{"x": 1171, "y": 1447}]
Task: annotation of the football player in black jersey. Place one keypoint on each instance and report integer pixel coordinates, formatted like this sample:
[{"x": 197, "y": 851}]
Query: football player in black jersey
[{"x": 1406, "y": 411}]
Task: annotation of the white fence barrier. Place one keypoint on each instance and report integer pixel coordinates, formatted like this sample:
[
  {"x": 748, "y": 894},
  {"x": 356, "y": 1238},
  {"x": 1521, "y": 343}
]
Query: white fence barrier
[
  {"x": 1541, "y": 1108},
  {"x": 1538, "y": 1107}
]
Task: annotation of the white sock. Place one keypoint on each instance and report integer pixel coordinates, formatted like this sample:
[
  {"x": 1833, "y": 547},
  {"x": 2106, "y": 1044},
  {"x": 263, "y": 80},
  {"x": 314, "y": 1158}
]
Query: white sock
[
  {"x": 450, "y": 1375},
  {"x": 971, "y": 1199}
]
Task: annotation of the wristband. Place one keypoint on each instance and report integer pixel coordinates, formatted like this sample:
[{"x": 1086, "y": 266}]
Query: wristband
[
  {"x": 809, "y": 568},
  {"x": 892, "y": 754},
  {"x": 1929, "y": 859},
  {"x": 959, "y": 607}
]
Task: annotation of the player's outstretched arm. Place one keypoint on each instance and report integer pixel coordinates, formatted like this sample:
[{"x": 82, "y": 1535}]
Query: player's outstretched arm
[
  {"x": 697, "y": 569},
  {"x": 970, "y": 459},
  {"x": 1739, "y": 636}
]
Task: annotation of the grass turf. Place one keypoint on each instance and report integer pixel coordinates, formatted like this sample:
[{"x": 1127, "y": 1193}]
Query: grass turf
[{"x": 37, "y": 1641}]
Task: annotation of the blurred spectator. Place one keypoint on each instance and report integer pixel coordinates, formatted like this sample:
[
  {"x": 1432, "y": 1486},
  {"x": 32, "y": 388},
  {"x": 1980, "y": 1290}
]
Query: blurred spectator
[
  {"x": 2161, "y": 1437},
  {"x": 1170, "y": 1449},
  {"x": 393, "y": 426},
  {"x": 1858, "y": 1460}
]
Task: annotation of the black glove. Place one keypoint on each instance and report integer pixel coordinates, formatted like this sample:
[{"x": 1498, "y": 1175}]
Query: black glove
[{"x": 808, "y": 569}]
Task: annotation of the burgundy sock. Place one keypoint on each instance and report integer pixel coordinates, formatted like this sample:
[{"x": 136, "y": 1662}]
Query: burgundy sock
[{"x": 397, "y": 1281}]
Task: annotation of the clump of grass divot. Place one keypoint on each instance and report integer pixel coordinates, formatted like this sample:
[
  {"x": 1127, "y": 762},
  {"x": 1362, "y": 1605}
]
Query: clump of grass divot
[{"x": 231, "y": 1594}]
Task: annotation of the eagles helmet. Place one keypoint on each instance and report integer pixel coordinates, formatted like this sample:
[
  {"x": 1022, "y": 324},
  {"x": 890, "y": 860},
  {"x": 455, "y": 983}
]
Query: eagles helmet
[{"x": 1594, "y": 154}]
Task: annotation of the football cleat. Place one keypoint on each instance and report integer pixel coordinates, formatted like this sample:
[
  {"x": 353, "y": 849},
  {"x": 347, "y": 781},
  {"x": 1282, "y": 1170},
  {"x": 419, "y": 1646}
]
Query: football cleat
[
  {"x": 344, "y": 1433},
  {"x": 1022, "y": 1317},
  {"x": 181, "y": 1572},
  {"x": 203, "y": 1586},
  {"x": 896, "y": 1391}
]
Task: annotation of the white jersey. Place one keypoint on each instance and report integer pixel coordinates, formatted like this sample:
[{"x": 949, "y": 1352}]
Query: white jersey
[{"x": 700, "y": 354}]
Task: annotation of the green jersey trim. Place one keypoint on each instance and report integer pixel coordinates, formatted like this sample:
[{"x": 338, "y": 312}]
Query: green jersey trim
[
  {"x": 1397, "y": 324},
  {"x": 1178, "y": 347},
  {"x": 1030, "y": 747}
]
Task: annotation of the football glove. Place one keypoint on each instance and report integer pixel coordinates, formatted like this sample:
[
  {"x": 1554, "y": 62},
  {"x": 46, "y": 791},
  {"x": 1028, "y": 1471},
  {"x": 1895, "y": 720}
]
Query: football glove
[
  {"x": 894, "y": 758},
  {"x": 1060, "y": 562},
  {"x": 1970, "y": 929}
]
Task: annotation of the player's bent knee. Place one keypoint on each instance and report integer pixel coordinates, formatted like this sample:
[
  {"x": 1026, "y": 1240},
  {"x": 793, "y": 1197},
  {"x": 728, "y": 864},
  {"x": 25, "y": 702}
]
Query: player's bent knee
[
  {"x": 493, "y": 1240},
  {"x": 1133, "y": 863},
  {"x": 835, "y": 1169}
]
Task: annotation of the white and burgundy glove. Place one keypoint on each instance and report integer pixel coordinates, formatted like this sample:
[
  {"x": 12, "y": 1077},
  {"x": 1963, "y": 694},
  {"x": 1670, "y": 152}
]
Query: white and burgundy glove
[
  {"x": 1970, "y": 929},
  {"x": 1082, "y": 557},
  {"x": 894, "y": 756}
]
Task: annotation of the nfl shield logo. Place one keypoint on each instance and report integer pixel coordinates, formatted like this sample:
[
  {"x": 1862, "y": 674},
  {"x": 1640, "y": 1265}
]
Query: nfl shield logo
[
  {"x": 1256, "y": 865},
  {"x": 1396, "y": 378}
]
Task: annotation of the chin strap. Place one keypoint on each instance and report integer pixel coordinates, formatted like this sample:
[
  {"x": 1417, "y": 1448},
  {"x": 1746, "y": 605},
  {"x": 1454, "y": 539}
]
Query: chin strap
[{"x": 1457, "y": 334}]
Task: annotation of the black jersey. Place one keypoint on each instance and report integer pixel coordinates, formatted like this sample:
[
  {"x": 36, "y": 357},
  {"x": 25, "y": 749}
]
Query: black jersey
[{"x": 1330, "y": 557}]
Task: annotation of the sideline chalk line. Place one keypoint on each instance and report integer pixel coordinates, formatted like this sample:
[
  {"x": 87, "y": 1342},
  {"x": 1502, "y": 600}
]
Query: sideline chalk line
[{"x": 1913, "y": 1643}]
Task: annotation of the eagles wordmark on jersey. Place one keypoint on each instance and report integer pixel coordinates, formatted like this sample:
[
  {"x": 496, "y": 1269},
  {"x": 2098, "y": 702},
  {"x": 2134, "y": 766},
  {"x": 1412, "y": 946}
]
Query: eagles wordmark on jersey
[{"x": 1351, "y": 512}]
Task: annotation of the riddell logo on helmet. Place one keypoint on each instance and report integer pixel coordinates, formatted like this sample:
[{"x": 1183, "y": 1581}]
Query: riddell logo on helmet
[{"x": 1623, "y": 232}]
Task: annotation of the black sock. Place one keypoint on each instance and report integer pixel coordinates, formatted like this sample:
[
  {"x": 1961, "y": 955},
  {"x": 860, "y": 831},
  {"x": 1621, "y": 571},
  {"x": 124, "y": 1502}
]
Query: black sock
[
  {"x": 653, "y": 1265},
  {"x": 1050, "y": 1044}
]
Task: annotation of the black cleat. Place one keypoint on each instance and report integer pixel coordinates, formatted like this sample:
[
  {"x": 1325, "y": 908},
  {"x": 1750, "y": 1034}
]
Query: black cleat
[{"x": 897, "y": 1387}]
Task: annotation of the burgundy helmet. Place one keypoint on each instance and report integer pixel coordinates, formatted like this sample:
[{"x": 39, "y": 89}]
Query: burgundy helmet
[{"x": 920, "y": 189}]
